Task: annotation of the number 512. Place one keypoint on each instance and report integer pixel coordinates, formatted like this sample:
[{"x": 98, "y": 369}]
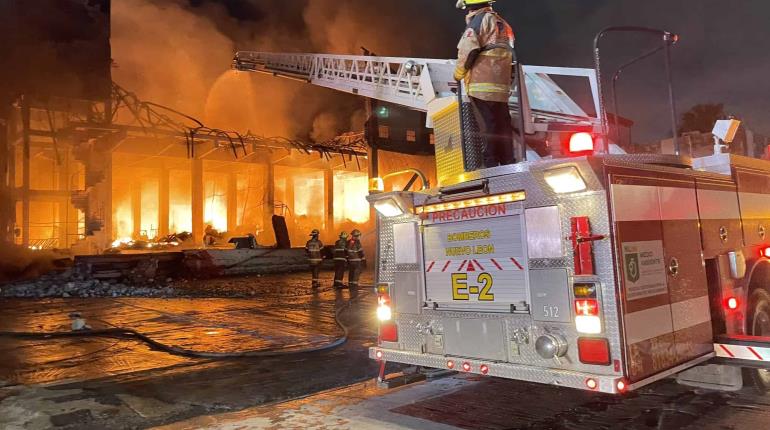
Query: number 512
[{"x": 462, "y": 291}]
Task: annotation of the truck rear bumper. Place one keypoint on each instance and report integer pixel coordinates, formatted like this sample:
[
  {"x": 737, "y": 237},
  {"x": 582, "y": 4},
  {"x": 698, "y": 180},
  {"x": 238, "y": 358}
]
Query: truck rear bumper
[{"x": 562, "y": 378}]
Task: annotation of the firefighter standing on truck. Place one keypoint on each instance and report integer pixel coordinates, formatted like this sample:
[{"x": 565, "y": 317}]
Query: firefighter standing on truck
[
  {"x": 313, "y": 250},
  {"x": 340, "y": 260},
  {"x": 484, "y": 61},
  {"x": 356, "y": 259}
]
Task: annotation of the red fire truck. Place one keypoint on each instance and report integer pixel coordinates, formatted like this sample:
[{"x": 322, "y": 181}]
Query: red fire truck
[{"x": 584, "y": 266}]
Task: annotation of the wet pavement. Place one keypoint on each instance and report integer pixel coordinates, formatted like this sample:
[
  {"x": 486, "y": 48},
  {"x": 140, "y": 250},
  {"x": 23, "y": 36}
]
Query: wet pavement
[
  {"x": 74, "y": 383},
  {"x": 98, "y": 383},
  {"x": 472, "y": 402}
]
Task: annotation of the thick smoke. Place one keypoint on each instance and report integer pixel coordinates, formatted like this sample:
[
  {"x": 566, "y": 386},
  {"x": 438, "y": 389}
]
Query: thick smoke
[{"x": 177, "y": 54}]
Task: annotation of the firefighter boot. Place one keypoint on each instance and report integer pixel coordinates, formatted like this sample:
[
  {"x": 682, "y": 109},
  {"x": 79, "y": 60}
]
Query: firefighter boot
[
  {"x": 353, "y": 275},
  {"x": 339, "y": 274},
  {"x": 315, "y": 269}
]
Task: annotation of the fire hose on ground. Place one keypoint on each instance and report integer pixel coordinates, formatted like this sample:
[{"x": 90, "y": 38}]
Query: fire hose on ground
[{"x": 131, "y": 334}]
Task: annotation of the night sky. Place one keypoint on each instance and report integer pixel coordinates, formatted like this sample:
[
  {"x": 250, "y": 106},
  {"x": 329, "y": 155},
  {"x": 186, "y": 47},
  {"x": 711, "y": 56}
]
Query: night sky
[{"x": 721, "y": 58}]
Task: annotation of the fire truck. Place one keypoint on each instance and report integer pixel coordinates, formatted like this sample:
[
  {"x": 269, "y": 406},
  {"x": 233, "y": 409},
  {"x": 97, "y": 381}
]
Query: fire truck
[{"x": 582, "y": 266}]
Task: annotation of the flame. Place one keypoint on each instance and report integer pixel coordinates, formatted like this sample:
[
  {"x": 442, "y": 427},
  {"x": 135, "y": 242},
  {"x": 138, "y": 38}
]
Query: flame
[
  {"x": 215, "y": 204},
  {"x": 350, "y": 203},
  {"x": 124, "y": 223},
  {"x": 150, "y": 209},
  {"x": 122, "y": 241}
]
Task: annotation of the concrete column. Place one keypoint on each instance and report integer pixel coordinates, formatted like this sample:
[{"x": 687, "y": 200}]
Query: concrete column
[
  {"x": 6, "y": 181},
  {"x": 197, "y": 199},
  {"x": 105, "y": 194},
  {"x": 25, "y": 184},
  {"x": 289, "y": 196},
  {"x": 269, "y": 201},
  {"x": 232, "y": 201},
  {"x": 164, "y": 209},
  {"x": 67, "y": 220},
  {"x": 136, "y": 207},
  {"x": 329, "y": 199}
]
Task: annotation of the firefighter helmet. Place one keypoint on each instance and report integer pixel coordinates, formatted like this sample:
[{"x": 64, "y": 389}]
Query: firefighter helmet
[
  {"x": 344, "y": 235},
  {"x": 462, "y": 4},
  {"x": 315, "y": 232},
  {"x": 355, "y": 233}
]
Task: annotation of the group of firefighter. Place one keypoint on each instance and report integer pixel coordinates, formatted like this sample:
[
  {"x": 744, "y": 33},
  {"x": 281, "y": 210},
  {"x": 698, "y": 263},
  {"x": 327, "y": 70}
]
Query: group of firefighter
[{"x": 348, "y": 255}]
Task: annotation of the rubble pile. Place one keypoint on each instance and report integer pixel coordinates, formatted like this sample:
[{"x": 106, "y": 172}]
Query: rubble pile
[{"x": 72, "y": 283}]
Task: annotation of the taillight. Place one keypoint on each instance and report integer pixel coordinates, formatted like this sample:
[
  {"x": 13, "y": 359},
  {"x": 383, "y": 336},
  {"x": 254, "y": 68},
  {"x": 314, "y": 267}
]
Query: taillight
[
  {"x": 384, "y": 312},
  {"x": 587, "y": 307},
  {"x": 388, "y": 332},
  {"x": 765, "y": 252},
  {"x": 581, "y": 143},
  {"x": 587, "y": 316},
  {"x": 594, "y": 351}
]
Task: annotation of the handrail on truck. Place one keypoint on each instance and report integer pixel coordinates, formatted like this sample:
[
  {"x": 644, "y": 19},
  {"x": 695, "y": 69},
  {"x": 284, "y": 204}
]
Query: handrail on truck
[{"x": 669, "y": 39}]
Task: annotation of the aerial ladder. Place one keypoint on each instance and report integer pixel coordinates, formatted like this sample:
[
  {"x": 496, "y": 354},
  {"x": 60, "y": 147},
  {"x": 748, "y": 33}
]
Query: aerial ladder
[
  {"x": 427, "y": 85},
  {"x": 563, "y": 269}
]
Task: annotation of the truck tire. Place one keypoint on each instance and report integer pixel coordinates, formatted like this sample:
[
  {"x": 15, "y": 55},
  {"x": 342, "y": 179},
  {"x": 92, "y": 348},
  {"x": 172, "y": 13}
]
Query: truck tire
[{"x": 759, "y": 325}]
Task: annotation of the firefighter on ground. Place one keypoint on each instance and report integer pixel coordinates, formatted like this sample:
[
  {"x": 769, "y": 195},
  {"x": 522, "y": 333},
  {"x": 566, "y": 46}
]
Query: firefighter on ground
[
  {"x": 340, "y": 260},
  {"x": 485, "y": 55},
  {"x": 356, "y": 259},
  {"x": 313, "y": 250}
]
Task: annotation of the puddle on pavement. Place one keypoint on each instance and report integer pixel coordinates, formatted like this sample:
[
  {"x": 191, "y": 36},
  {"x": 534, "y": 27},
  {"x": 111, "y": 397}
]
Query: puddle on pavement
[{"x": 220, "y": 325}]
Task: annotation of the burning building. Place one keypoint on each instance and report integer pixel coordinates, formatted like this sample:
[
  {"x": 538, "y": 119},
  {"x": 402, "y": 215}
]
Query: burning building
[{"x": 88, "y": 164}]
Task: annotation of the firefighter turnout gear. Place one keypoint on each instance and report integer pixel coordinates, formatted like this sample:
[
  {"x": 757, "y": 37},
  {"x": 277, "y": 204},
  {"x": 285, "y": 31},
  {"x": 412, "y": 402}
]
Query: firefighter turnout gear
[
  {"x": 356, "y": 259},
  {"x": 494, "y": 121},
  {"x": 313, "y": 250},
  {"x": 340, "y": 260},
  {"x": 485, "y": 56},
  {"x": 484, "y": 62}
]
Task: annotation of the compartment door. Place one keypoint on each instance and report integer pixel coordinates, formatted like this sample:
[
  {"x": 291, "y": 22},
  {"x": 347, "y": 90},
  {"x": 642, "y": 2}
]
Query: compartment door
[{"x": 666, "y": 317}]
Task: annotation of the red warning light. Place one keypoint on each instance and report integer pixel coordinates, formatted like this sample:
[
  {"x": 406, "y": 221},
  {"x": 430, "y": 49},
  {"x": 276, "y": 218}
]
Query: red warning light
[
  {"x": 587, "y": 307},
  {"x": 581, "y": 142},
  {"x": 732, "y": 303},
  {"x": 484, "y": 369},
  {"x": 378, "y": 354},
  {"x": 467, "y": 366},
  {"x": 621, "y": 386},
  {"x": 765, "y": 252},
  {"x": 450, "y": 364}
]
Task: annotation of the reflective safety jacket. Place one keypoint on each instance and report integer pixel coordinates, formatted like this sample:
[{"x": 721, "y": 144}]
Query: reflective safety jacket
[
  {"x": 355, "y": 251},
  {"x": 485, "y": 54},
  {"x": 340, "y": 250},
  {"x": 313, "y": 250}
]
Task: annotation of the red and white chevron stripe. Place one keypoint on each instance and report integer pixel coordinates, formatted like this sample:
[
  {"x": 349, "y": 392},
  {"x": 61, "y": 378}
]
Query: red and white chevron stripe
[
  {"x": 474, "y": 265},
  {"x": 742, "y": 352}
]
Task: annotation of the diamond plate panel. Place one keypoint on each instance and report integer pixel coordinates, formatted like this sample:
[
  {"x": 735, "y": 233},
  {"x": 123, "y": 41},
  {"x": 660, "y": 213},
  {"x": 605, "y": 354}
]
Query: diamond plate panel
[
  {"x": 563, "y": 378},
  {"x": 548, "y": 263},
  {"x": 592, "y": 203},
  {"x": 473, "y": 148},
  {"x": 449, "y": 154}
]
